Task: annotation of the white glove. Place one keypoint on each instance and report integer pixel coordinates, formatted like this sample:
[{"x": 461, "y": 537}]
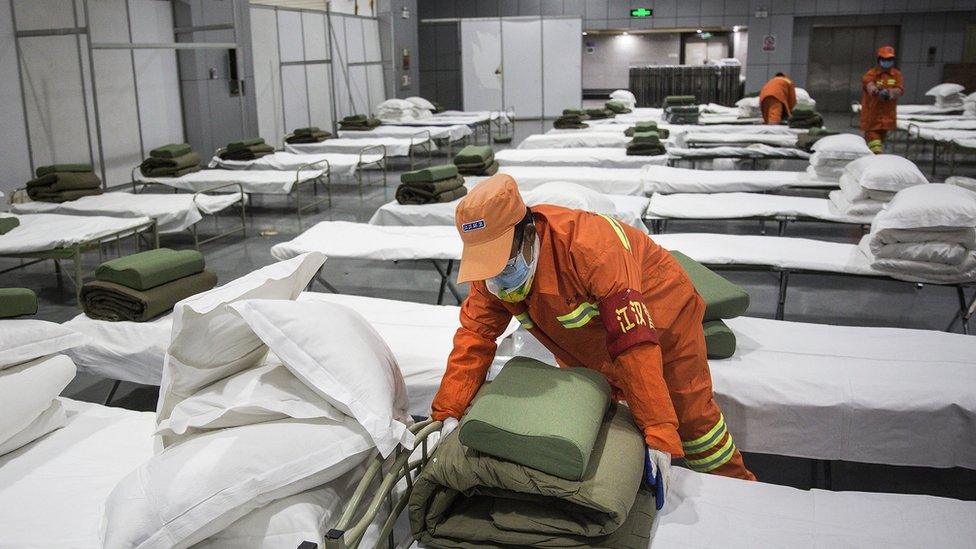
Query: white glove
[
  {"x": 448, "y": 427},
  {"x": 657, "y": 474}
]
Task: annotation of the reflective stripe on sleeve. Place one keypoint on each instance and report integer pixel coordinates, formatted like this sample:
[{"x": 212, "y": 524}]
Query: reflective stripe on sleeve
[{"x": 580, "y": 316}]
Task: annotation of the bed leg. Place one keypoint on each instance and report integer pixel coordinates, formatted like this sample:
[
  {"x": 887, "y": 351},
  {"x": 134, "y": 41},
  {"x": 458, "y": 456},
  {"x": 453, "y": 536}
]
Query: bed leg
[
  {"x": 966, "y": 310},
  {"x": 111, "y": 392},
  {"x": 784, "y": 282},
  {"x": 762, "y": 227},
  {"x": 935, "y": 151},
  {"x": 781, "y": 231}
]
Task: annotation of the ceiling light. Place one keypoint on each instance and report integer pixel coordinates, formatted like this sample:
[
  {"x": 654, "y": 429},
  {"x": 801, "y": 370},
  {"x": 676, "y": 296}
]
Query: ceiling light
[
  {"x": 584, "y": 33},
  {"x": 699, "y": 31},
  {"x": 624, "y": 33},
  {"x": 735, "y": 28}
]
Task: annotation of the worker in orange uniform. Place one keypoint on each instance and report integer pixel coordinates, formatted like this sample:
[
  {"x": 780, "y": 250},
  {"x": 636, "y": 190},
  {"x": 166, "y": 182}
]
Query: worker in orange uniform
[
  {"x": 598, "y": 294},
  {"x": 882, "y": 86},
  {"x": 777, "y": 99}
]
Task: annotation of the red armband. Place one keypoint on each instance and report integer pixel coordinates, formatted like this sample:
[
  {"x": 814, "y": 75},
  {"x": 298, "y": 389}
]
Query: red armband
[{"x": 627, "y": 321}]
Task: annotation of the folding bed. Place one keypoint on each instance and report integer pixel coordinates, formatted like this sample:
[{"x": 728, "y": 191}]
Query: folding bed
[
  {"x": 755, "y": 153},
  {"x": 393, "y": 147},
  {"x": 575, "y": 140},
  {"x": 446, "y": 136},
  {"x": 595, "y": 157},
  {"x": 669, "y": 180}
]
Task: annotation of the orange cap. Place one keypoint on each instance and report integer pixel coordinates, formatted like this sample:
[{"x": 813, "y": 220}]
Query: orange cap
[
  {"x": 486, "y": 220},
  {"x": 886, "y": 52}
]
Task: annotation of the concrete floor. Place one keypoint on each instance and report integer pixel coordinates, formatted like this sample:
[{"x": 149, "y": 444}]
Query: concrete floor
[{"x": 819, "y": 299}]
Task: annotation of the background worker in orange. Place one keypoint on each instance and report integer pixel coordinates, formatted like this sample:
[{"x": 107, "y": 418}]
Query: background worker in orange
[
  {"x": 777, "y": 99},
  {"x": 882, "y": 86},
  {"x": 598, "y": 294}
]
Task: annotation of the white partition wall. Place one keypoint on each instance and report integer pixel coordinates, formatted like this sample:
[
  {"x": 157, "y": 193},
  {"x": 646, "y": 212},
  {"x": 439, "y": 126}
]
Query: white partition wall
[
  {"x": 522, "y": 65},
  {"x": 481, "y": 64},
  {"x": 358, "y": 64},
  {"x": 562, "y": 65}
]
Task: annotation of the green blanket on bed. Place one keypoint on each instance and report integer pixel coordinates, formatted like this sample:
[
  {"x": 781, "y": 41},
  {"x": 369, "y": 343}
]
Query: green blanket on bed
[
  {"x": 17, "y": 302},
  {"x": 723, "y": 299},
  {"x": 110, "y": 301},
  {"x": 719, "y": 339},
  {"x": 152, "y": 268},
  {"x": 170, "y": 167},
  {"x": 675, "y": 100},
  {"x": 447, "y": 190},
  {"x": 617, "y": 107},
  {"x": 245, "y": 143},
  {"x": 72, "y": 168},
  {"x": 474, "y": 154},
  {"x": 430, "y": 174},
  {"x": 172, "y": 150}
]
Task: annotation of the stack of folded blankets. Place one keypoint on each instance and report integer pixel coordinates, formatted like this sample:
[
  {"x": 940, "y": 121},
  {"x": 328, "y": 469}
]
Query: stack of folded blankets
[
  {"x": 402, "y": 110},
  {"x": 948, "y": 95},
  {"x": 957, "y": 180},
  {"x": 142, "y": 286},
  {"x": 571, "y": 119},
  {"x": 805, "y": 141},
  {"x": 63, "y": 182},
  {"x": 833, "y": 153},
  {"x": 925, "y": 234},
  {"x": 173, "y": 160},
  {"x": 543, "y": 458},
  {"x": 969, "y": 105},
  {"x": 645, "y": 126},
  {"x": 723, "y": 300},
  {"x": 681, "y": 109},
  {"x": 870, "y": 182},
  {"x": 749, "y": 106},
  {"x": 8, "y": 223},
  {"x": 626, "y": 97},
  {"x": 617, "y": 107},
  {"x": 431, "y": 185},
  {"x": 476, "y": 160},
  {"x": 358, "y": 122},
  {"x": 599, "y": 114},
  {"x": 247, "y": 149},
  {"x": 17, "y": 302},
  {"x": 646, "y": 144},
  {"x": 805, "y": 116},
  {"x": 307, "y": 135}
]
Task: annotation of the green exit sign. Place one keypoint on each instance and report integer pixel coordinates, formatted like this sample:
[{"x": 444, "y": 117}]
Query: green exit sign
[{"x": 641, "y": 12}]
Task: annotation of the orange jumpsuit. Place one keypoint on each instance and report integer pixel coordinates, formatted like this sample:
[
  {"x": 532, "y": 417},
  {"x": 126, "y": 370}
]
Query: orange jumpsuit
[
  {"x": 776, "y": 98},
  {"x": 574, "y": 308},
  {"x": 878, "y": 116}
]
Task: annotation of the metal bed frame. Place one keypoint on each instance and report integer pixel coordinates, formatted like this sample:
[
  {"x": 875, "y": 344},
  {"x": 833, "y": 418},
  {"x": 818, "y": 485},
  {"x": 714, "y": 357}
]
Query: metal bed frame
[
  {"x": 659, "y": 225},
  {"x": 674, "y": 161},
  {"x": 444, "y": 272}
]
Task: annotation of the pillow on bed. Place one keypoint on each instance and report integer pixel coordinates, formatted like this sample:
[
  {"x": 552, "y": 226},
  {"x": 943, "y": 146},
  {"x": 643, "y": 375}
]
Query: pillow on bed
[
  {"x": 210, "y": 341},
  {"x": 27, "y": 390},
  {"x": 885, "y": 172},
  {"x": 944, "y": 90},
  {"x": 26, "y": 339},
  {"x": 967, "y": 183},
  {"x": 570, "y": 195},
  {"x": 421, "y": 103},
  {"x": 194, "y": 489},
  {"x": 845, "y": 145},
  {"x": 266, "y": 393},
  {"x": 748, "y": 102},
  {"x": 624, "y": 96},
  {"x": 50, "y": 420},
  {"x": 341, "y": 357},
  {"x": 929, "y": 206},
  {"x": 395, "y": 104}
]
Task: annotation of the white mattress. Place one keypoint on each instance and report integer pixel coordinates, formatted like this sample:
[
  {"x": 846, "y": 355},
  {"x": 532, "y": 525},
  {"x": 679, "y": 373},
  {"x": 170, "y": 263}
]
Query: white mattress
[
  {"x": 453, "y": 132},
  {"x": 707, "y": 119},
  {"x": 744, "y": 205},
  {"x": 714, "y": 139},
  {"x": 953, "y": 123},
  {"x": 350, "y": 240},
  {"x": 395, "y": 146},
  {"x": 574, "y": 140},
  {"x": 252, "y": 181},
  {"x": 339, "y": 164},
  {"x": 945, "y": 135},
  {"x": 172, "y": 212},
  {"x": 44, "y": 232},
  {"x": 52, "y": 491},
  {"x": 967, "y": 143},
  {"x": 605, "y": 180},
  {"x": 752, "y": 151},
  {"x": 916, "y": 109},
  {"x": 595, "y": 157},
  {"x": 667, "y": 179}
]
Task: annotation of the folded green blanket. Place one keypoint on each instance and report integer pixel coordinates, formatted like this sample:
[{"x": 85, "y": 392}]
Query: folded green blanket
[
  {"x": 597, "y": 114},
  {"x": 171, "y": 151},
  {"x": 306, "y": 131},
  {"x": 429, "y": 174},
  {"x": 411, "y": 195},
  {"x": 474, "y": 166},
  {"x": 650, "y": 137},
  {"x": 355, "y": 118},
  {"x": 617, "y": 107},
  {"x": 40, "y": 195},
  {"x": 502, "y": 138},
  {"x": 672, "y": 100},
  {"x": 17, "y": 302},
  {"x": 8, "y": 224},
  {"x": 572, "y": 112},
  {"x": 491, "y": 168},
  {"x": 569, "y": 125},
  {"x": 465, "y": 499},
  {"x": 64, "y": 168},
  {"x": 244, "y": 143},
  {"x": 539, "y": 416},
  {"x": 359, "y": 124},
  {"x": 679, "y": 118},
  {"x": 152, "y": 268},
  {"x": 645, "y": 149},
  {"x": 251, "y": 152},
  {"x": 723, "y": 299},
  {"x": 811, "y": 122},
  {"x": 163, "y": 167},
  {"x": 719, "y": 339},
  {"x": 314, "y": 137},
  {"x": 65, "y": 181},
  {"x": 473, "y": 154},
  {"x": 110, "y": 301},
  {"x": 436, "y": 187},
  {"x": 683, "y": 109}
]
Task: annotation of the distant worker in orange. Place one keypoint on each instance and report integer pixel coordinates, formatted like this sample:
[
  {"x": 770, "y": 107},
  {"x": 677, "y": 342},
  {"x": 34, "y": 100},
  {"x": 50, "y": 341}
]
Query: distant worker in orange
[
  {"x": 598, "y": 294},
  {"x": 777, "y": 99},
  {"x": 882, "y": 86}
]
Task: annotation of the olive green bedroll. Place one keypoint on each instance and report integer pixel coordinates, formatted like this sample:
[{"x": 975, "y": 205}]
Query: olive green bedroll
[
  {"x": 723, "y": 299},
  {"x": 719, "y": 339},
  {"x": 110, "y": 301}
]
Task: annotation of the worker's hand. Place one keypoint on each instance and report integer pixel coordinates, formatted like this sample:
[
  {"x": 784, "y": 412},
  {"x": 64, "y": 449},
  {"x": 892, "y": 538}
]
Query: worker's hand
[
  {"x": 450, "y": 424},
  {"x": 657, "y": 474},
  {"x": 884, "y": 94}
]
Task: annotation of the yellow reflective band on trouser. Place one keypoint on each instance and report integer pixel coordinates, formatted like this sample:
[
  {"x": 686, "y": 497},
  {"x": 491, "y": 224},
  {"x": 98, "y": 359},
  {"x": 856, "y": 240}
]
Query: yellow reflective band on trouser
[
  {"x": 615, "y": 225},
  {"x": 714, "y": 461},
  {"x": 525, "y": 321},
  {"x": 708, "y": 440},
  {"x": 580, "y": 316},
  {"x": 875, "y": 145}
]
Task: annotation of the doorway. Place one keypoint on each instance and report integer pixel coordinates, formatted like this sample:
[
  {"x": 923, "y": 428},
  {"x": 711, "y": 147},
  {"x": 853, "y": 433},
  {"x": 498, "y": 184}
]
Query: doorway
[{"x": 838, "y": 58}]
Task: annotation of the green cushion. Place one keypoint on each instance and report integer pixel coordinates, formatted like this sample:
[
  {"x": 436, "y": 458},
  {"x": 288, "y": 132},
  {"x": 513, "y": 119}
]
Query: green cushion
[
  {"x": 172, "y": 150},
  {"x": 719, "y": 339},
  {"x": 245, "y": 143},
  {"x": 44, "y": 170},
  {"x": 305, "y": 131},
  {"x": 474, "y": 154},
  {"x": 573, "y": 111},
  {"x": 430, "y": 174},
  {"x": 539, "y": 416},
  {"x": 679, "y": 100},
  {"x": 152, "y": 268},
  {"x": 17, "y": 302},
  {"x": 723, "y": 299},
  {"x": 502, "y": 138}
]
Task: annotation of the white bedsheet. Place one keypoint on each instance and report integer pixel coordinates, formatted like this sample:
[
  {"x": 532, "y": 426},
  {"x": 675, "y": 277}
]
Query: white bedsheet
[
  {"x": 395, "y": 146},
  {"x": 127, "y": 351},
  {"x": 744, "y": 205},
  {"x": 604, "y": 180},
  {"x": 752, "y": 151},
  {"x": 667, "y": 179},
  {"x": 173, "y": 212},
  {"x": 574, "y": 140},
  {"x": 903, "y": 110},
  {"x": 346, "y": 239},
  {"x": 453, "y": 132},
  {"x": 953, "y": 123},
  {"x": 252, "y": 181},
  {"x": 340, "y": 164},
  {"x": 945, "y": 135},
  {"x": 966, "y": 143},
  {"x": 714, "y": 139},
  {"x": 43, "y": 232},
  {"x": 595, "y": 157}
]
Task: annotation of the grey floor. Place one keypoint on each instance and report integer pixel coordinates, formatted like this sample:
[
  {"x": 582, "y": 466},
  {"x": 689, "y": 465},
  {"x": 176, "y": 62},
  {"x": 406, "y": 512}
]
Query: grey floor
[{"x": 819, "y": 299}]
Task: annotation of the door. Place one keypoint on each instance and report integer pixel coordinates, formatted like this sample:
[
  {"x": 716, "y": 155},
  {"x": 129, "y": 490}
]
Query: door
[
  {"x": 522, "y": 66},
  {"x": 481, "y": 64},
  {"x": 838, "y": 58}
]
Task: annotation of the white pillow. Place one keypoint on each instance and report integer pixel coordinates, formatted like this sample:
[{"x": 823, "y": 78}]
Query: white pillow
[
  {"x": 845, "y": 145},
  {"x": 885, "y": 172},
  {"x": 935, "y": 205},
  {"x": 624, "y": 96},
  {"x": 50, "y": 420},
  {"x": 943, "y": 90},
  {"x": 967, "y": 183},
  {"x": 803, "y": 96},
  {"x": 971, "y": 98},
  {"x": 421, "y": 103},
  {"x": 395, "y": 104},
  {"x": 26, "y": 391},
  {"x": 748, "y": 102},
  {"x": 266, "y": 393},
  {"x": 570, "y": 195},
  {"x": 194, "y": 489},
  {"x": 336, "y": 352},
  {"x": 26, "y": 339},
  {"x": 211, "y": 342}
]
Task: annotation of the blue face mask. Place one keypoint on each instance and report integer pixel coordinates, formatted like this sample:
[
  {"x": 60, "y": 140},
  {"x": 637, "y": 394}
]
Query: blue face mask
[
  {"x": 886, "y": 63},
  {"x": 515, "y": 273}
]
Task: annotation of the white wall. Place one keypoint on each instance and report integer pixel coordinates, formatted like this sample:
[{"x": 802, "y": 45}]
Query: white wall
[
  {"x": 613, "y": 54},
  {"x": 13, "y": 139}
]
